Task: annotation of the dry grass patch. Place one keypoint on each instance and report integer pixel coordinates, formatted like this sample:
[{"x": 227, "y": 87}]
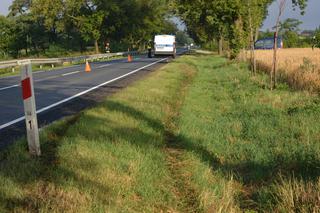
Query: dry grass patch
[{"x": 299, "y": 67}]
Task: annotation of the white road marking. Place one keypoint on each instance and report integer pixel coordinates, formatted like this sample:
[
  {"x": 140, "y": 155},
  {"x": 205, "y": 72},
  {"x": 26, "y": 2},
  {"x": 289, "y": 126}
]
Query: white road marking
[
  {"x": 80, "y": 94},
  {"x": 36, "y": 72},
  {"x": 106, "y": 65},
  {"x": 70, "y": 73},
  {"x": 51, "y": 77},
  {"x": 4, "y": 88}
]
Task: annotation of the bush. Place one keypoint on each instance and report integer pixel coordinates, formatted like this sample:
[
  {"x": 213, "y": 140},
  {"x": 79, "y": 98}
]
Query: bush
[
  {"x": 55, "y": 50},
  {"x": 317, "y": 39}
]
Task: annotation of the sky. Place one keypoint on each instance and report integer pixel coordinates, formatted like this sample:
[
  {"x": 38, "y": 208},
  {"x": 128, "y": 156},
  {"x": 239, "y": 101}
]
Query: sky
[
  {"x": 311, "y": 19},
  {"x": 4, "y": 5}
]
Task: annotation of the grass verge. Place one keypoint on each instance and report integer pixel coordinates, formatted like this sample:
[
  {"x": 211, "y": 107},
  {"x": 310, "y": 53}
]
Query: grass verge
[{"x": 199, "y": 135}]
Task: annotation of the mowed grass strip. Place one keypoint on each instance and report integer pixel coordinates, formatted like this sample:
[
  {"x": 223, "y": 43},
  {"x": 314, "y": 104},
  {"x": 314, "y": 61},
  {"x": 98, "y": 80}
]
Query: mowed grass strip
[
  {"x": 110, "y": 158},
  {"x": 249, "y": 149}
]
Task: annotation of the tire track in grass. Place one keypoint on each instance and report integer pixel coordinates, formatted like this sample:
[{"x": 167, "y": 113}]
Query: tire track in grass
[{"x": 174, "y": 150}]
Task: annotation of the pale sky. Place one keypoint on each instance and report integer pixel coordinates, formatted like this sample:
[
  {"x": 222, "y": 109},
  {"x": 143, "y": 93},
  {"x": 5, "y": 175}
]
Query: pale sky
[
  {"x": 311, "y": 19},
  {"x": 4, "y": 5}
]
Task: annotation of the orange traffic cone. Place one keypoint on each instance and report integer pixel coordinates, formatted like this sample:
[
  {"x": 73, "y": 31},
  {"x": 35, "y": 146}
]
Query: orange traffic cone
[
  {"x": 129, "y": 58},
  {"x": 88, "y": 68}
]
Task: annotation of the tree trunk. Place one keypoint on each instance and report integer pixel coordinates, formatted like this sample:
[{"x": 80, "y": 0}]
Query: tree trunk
[
  {"x": 254, "y": 52},
  {"x": 274, "y": 65},
  {"x": 96, "y": 46},
  {"x": 252, "y": 42},
  {"x": 220, "y": 45},
  {"x": 282, "y": 5}
]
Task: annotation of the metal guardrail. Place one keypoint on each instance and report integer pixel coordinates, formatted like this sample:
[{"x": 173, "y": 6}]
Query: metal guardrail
[{"x": 41, "y": 61}]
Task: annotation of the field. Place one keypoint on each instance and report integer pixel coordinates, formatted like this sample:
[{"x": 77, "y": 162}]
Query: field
[
  {"x": 300, "y": 68},
  {"x": 199, "y": 135}
]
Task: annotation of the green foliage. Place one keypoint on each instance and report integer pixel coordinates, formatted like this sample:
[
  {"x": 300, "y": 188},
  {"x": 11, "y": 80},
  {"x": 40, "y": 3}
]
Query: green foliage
[
  {"x": 234, "y": 21},
  {"x": 266, "y": 34},
  {"x": 76, "y": 25},
  {"x": 289, "y": 29},
  {"x": 290, "y": 24},
  {"x": 5, "y": 36},
  {"x": 291, "y": 39},
  {"x": 317, "y": 38},
  {"x": 55, "y": 50},
  {"x": 182, "y": 38}
]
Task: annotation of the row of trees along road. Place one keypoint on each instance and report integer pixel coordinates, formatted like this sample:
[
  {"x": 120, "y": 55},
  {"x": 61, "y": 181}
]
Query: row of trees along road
[
  {"x": 51, "y": 27},
  {"x": 233, "y": 24}
]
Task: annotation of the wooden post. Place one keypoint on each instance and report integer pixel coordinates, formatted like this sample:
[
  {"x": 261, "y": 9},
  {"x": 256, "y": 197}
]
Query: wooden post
[{"x": 30, "y": 108}]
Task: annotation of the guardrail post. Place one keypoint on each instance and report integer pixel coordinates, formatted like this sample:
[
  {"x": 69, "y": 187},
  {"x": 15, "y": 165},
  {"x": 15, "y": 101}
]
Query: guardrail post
[
  {"x": 13, "y": 69},
  {"x": 30, "y": 108}
]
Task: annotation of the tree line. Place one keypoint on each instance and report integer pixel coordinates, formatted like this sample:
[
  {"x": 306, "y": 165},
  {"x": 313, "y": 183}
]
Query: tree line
[
  {"x": 231, "y": 25},
  {"x": 51, "y": 27},
  {"x": 38, "y": 27},
  {"x": 292, "y": 35}
]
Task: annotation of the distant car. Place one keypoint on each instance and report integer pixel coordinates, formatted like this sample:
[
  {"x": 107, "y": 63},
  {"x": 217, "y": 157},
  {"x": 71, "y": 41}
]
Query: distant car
[
  {"x": 268, "y": 44},
  {"x": 165, "y": 45}
]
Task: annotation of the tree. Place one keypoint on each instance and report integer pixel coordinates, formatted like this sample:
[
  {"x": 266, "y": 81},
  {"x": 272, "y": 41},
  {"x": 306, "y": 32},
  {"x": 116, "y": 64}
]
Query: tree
[
  {"x": 5, "y": 36},
  {"x": 234, "y": 21},
  {"x": 289, "y": 31},
  {"x": 289, "y": 24},
  {"x": 281, "y": 6},
  {"x": 316, "y": 38},
  {"x": 291, "y": 39},
  {"x": 256, "y": 13},
  {"x": 90, "y": 27},
  {"x": 183, "y": 38},
  {"x": 19, "y": 7}
]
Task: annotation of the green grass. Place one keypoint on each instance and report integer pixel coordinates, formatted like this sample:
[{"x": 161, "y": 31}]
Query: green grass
[
  {"x": 254, "y": 146},
  {"x": 199, "y": 135}
]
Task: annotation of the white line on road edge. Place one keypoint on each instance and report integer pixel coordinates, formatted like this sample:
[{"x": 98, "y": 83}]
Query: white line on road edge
[
  {"x": 4, "y": 88},
  {"x": 81, "y": 93},
  {"x": 70, "y": 73}
]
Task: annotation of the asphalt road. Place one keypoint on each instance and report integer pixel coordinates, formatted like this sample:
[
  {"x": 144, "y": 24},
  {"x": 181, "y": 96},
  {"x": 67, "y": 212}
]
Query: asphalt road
[{"x": 55, "y": 89}]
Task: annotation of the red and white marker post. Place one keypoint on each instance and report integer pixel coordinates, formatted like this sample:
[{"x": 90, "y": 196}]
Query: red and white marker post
[{"x": 30, "y": 108}]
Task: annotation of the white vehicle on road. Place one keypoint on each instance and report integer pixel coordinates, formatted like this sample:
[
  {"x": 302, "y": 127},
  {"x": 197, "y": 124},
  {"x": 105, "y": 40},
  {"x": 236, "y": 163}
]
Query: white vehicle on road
[{"x": 165, "y": 45}]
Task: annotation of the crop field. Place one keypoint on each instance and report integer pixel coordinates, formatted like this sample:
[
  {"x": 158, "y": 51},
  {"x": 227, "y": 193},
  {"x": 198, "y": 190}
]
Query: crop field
[{"x": 299, "y": 67}]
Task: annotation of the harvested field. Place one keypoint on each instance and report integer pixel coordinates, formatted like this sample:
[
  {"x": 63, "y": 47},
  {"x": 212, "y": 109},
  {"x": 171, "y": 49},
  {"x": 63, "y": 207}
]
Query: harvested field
[{"x": 299, "y": 67}]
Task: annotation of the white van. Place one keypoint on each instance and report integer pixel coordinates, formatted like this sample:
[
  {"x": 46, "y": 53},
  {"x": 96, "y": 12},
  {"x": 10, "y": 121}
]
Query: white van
[{"x": 165, "y": 45}]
